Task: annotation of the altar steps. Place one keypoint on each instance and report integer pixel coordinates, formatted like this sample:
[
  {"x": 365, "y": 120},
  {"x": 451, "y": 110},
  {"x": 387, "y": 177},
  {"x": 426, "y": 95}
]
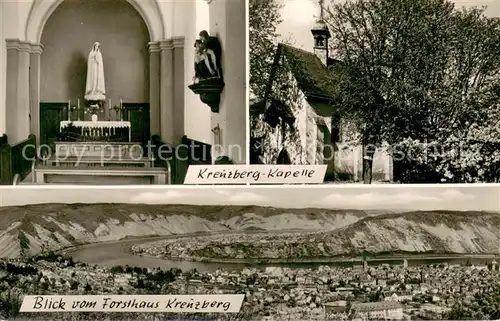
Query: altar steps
[
  {"x": 100, "y": 175},
  {"x": 143, "y": 162},
  {"x": 98, "y": 163}
]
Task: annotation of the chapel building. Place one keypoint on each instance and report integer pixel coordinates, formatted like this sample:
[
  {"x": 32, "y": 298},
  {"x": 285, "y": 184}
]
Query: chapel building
[{"x": 297, "y": 123}]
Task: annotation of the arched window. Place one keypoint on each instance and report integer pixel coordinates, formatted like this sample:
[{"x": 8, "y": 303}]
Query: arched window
[{"x": 284, "y": 158}]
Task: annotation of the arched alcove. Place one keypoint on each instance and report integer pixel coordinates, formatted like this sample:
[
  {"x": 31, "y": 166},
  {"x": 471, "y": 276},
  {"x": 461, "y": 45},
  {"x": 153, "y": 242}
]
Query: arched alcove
[
  {"x": 68, "y": 35},
  {"x": 41, "y": 10}
]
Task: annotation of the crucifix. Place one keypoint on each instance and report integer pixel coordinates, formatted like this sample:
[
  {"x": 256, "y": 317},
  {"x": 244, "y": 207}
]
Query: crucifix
[{"x": 321, "y": 4}]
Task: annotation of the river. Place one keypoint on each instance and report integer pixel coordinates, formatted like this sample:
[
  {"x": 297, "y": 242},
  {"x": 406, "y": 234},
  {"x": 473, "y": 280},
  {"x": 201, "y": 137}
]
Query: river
[{"x": 109, "y": 254}]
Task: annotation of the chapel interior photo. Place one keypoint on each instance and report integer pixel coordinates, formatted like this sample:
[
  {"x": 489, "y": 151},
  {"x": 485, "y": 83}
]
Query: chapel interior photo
[{"x": 120, "y": 91}]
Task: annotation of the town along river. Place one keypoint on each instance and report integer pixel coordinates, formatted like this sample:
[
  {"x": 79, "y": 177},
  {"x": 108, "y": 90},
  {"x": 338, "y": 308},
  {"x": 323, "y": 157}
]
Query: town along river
[{"x": 110, "y": 254}]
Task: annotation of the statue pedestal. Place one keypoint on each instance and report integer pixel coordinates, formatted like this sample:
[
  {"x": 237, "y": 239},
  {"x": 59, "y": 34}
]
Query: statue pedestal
[
  {"x": 94, "y": 97},
  {"x": 210, "y": 91}
]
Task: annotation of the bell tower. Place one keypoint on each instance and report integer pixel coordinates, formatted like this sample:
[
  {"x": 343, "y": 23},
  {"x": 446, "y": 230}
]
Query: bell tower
[{"x": 321, "y": 35}]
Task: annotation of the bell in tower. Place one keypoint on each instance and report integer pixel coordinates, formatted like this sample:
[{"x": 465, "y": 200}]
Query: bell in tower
[
  {"x": 319, "y": 41},
  {"x": 321, "y": 35}
]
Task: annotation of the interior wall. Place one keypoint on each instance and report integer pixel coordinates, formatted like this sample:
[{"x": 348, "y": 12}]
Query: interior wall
[
  {"x": 9, "y": 26},
  {"x": 228, "y": 23},
  {"x": 68, "y": 37},
  {"x": 3, "y": 65},
  {"x": 197, "y": 114}
]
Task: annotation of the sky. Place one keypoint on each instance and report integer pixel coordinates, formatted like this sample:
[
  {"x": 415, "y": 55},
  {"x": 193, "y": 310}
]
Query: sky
[
  {"x": 390, "y": 197},
  {"x": 299, "y": 16}
]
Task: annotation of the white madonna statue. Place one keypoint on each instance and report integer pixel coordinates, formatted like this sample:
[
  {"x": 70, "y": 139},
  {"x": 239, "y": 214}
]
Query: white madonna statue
[{"x": 95, "y": 89}]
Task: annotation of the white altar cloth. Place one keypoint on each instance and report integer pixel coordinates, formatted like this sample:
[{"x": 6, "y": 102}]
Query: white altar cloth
[
  {"x": 98, "y": 127},
  {"x": 96, "y": 124}
]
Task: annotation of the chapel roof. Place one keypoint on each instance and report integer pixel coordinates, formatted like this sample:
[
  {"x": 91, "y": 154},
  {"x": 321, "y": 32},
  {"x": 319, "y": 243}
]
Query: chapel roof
[{"x": 313, "y": 77}]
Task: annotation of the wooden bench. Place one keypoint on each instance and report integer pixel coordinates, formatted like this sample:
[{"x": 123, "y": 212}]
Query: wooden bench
[
  {"x": 17, "y": 160},
  {"x": 100, "y": 175},
  {"x": 3, "y": 139}
]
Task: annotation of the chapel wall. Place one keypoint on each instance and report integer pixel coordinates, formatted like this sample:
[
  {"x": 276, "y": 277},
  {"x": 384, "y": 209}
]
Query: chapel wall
[
  {"x": 197, "y": 118},
  {"x": 349, "y": 158},
  {"x": 228, "y": 24}
]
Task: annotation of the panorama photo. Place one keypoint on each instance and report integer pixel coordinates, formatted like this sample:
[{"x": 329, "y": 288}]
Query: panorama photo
[{"x": 349, "y": 253}]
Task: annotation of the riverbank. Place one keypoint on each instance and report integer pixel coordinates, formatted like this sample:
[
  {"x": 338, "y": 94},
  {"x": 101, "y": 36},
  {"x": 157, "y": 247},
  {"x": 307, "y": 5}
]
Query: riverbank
[
  {"x": 276, "y": 247},
  {"x": 379, "y": 260},
  {"x": 113, "y": 253}
]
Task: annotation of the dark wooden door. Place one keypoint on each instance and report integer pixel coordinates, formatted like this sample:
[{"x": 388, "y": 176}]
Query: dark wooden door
[
  {"x": 51, "y": 114},
  {"x": 138, "y": 116},
  {"x": 283, "y": 158}
]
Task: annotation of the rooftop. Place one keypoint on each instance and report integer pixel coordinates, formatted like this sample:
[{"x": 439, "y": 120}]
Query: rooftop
[
  {"x": 376, "y": 306},
  {"x": 313, "y": 77}
]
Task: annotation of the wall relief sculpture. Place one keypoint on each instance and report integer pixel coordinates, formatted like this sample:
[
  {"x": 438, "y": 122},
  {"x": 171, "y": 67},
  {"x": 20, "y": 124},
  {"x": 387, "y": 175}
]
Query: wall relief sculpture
[{"x": 208, "y": 80}]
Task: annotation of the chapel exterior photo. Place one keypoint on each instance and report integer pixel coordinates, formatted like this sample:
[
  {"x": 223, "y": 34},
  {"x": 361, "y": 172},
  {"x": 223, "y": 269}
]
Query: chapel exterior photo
[
  {"x": 120, "y": 91},
  {"x": 296, "y": 123}
]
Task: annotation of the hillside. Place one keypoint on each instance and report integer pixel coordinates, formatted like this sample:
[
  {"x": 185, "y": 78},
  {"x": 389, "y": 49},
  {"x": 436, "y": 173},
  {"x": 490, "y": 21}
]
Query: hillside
[
  {"x": 414, "y": 232},
  {"x": 29, "y": 229}
]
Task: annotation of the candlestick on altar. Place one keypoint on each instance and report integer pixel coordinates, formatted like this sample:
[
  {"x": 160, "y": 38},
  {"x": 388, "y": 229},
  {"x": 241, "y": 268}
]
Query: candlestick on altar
[
  {"x": 109, "y": 106},
  {"x": 78, "y": 108},
  {"x": 121, "y": 108},
  {"x": 69, "y": 110}
]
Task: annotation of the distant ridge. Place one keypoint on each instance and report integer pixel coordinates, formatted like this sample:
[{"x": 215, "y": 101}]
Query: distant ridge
[
  {"x": 30, "y": 229},
  {"x": 423, "y": 232}
]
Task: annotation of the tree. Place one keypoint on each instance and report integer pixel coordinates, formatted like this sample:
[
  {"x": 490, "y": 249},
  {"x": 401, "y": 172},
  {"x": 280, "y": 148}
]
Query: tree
[
  {"x": 264, "y": 17},
  {"x": 10, "y": 304},
  {"x": 117, "y": 269},
  {"x": 251, "y": 279},
  {"x": 44, "y": 285},
  {"x": 416, "y": 72},
  {"x": 375, "y": 296}
]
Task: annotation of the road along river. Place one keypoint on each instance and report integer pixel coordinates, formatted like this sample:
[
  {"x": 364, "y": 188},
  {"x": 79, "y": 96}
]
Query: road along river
[{"x": 109, "y": 254}]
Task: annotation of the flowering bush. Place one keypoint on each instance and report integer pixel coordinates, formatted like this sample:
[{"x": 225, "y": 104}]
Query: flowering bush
[{"x": 456, "y": 157}]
